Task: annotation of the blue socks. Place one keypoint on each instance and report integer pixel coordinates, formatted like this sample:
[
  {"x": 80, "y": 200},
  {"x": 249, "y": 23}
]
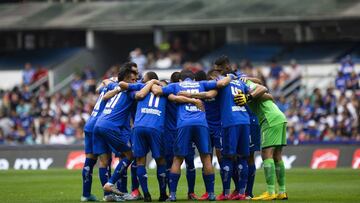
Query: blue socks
[
  {"x": 134, "y": 179},
  {"x": 243, "y": 171},
  {"x": 236, "y": 175},
  {"x": 104, "y": 177},
  {"x": 174, "y": 180},
  {"x": 251, "y": 179},
  {"x": 227, "y": 174},
  {"x": 161, "y": 176},
  {"x": 122, "y": 183},
  {"x": 209, "y": 182},
  {"x": 190, "y": 175},
  {"x": 168, "y": 168},
  {"x": 119, "y": 170},
  {"x": 142, "y": 176},
  {"x": 87, "y": 176}
]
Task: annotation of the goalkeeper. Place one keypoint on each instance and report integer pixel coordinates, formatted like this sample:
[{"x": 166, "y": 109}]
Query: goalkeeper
[{"x": 273, "y": 137}]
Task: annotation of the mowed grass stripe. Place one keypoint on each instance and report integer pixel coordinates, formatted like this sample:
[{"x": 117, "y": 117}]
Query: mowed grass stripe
[{"x": 60, "y": 185}]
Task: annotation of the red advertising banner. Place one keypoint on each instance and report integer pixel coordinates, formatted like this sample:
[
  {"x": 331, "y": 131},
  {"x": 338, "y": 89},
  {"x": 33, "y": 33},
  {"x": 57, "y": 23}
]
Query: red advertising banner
[
  {"x": 325, "y": 158},
  {"x": 356, "y": 160}
]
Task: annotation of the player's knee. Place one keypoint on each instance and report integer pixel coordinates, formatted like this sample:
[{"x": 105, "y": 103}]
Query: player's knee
[
  {"x": 160, "y": 161},
  {"x": 251, "y": 159},
  {"x": 91, "y": 156},
  {"x": 129, "y": 155},
  {"x": 140, "y": 161},
  {"x": 103, "y": 163}
]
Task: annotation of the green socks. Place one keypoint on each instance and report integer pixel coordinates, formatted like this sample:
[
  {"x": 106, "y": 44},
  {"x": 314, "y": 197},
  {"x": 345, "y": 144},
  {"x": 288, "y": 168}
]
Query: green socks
[
  {"x": 269, "y": 168},
  {"x": 280, "y": 174}
]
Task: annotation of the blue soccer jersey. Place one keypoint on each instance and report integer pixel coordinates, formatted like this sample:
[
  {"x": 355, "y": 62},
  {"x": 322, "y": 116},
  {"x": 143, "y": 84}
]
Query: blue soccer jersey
[
  {"x": 189, "y": 114},
  {"x": 171, "y": 112},
  {"x": 117, "y": 111},
  {"x": 99, "y": 107},
  {"x": 150, "y": 111},
  {"x": 213, "y": 115},
  {"x": 232, "y": 114}
]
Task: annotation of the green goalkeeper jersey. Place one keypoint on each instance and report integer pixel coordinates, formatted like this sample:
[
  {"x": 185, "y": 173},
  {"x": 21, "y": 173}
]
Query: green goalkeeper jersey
[{"x": 266, "y": 110}]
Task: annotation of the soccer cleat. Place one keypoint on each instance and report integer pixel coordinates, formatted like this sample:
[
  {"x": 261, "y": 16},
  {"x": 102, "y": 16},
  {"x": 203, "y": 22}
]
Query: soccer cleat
[
  {"x": 147, "y": 197},
  {"x": 136, "y": 194},
  {"x": 171, "y": 199},
  {"x": 212, "y": 197},
  {"x": 282, "y": 196},
  {"x": 192, "y": 196},
  {"x": 108, "y": 187},
  {"x": 128, "y": 197},
  {"x": 265, "y": 197},
  {"x": 113, "y": 198},
  {"x": 222, "y": 197},
  {"x": 239, "y": 197},
  {"x": 204, "y": 197},
  {"x": 163, "y": 197},
  {"x": 233, "y": 194},
  {"x": 248, "y": 197},
  {"x": 91, "y": 198}
]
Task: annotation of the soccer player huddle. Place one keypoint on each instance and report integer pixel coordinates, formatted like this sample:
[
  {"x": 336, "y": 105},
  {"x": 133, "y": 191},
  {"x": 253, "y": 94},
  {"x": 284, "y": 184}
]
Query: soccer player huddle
[{"x": 228, "y": 111}]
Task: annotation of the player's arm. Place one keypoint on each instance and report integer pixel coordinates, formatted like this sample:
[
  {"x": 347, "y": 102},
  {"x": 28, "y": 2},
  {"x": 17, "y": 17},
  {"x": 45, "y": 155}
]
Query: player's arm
[
  {"x": 123, "y": 85},
  {"x": 181, "y": 99},
  {"x": 252, "y": 91},
  {"x": 145, "y": 90},
  {"x": 156, "y": 90},
  {"x": 252, "y": 79},
  {"x": 258, "y": 91},
  {"x": 200, "y": 95},
  {"x": 103, "y": 83},
  {"x": 111, "y": 93},
  {"x": 266, "y": 96},
  {"x": 225, "y": 81}
]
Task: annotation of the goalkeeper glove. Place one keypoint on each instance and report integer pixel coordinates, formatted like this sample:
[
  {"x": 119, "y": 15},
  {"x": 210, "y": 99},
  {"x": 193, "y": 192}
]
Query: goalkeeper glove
[{"x": 241, "y": 99}]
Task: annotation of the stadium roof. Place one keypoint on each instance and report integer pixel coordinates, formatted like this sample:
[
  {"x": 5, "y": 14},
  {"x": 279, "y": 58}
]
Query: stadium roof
[{"x": 138, "y": 14}]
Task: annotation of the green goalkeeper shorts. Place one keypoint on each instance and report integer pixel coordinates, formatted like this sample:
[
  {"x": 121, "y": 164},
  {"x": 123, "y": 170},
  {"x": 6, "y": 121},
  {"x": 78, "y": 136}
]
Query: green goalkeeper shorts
[{"x": 274, "y": 136}]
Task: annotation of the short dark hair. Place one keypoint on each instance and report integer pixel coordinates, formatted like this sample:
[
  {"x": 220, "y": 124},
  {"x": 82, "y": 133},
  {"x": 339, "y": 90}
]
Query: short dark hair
[
  {"x": 175, "y": 77},
  {"x": 212, "y": 72},
  {"x": 124, "y": 73},
  {"x": 165, "y": 81},
  {"x": 200, "y": 75},
  {"x": 128, "y": 65},
  {"x": 186, "y": 74},
  {"x": 152, "y": 75},
  {"x": 222, "y": 60}
]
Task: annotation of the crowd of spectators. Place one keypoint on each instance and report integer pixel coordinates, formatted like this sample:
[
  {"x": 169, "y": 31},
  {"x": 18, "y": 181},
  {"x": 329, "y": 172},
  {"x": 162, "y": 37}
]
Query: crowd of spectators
[{"x": 35, "y": 117}]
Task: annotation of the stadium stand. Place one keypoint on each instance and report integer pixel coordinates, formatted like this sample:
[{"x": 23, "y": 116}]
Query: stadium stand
[
  {"x": 46, "y": 57},
  {"x": 53, "y": 110}
]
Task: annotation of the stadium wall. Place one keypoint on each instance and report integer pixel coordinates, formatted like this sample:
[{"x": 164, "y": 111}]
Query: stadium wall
[{"x": 72, "y": 157}]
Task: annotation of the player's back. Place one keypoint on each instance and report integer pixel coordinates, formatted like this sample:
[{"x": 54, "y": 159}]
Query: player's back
[
  {"x": 98, "y": 108},
  {"x": 117, "y": 110},
  {"x": 170, "y": 118},
  {"x": 232, "y": 114},
  {"x": 189, "y": 114},
  {"x": 151, "y": 112},
  {"x": 212, "y": 109}
]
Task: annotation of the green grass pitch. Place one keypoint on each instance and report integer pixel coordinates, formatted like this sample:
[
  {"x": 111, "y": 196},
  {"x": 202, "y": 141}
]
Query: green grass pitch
[{"x": 60, "y": 185}]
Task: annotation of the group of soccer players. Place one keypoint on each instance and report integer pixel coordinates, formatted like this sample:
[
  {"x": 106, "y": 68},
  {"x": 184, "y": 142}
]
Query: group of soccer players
[{"x": 221, "y": 109}]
